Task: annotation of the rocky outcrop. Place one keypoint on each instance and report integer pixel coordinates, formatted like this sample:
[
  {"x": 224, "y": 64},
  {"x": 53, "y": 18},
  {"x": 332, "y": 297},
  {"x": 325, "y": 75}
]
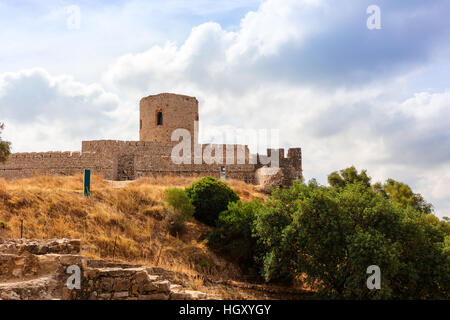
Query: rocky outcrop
[
  {"x": 40, "y": 247},
  {"x": 55, "y": 269},
  {"x": 269, "y": 178}
]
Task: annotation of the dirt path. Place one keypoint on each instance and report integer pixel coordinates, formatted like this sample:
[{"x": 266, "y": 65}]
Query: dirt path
[{"x": 119, "y": 184}]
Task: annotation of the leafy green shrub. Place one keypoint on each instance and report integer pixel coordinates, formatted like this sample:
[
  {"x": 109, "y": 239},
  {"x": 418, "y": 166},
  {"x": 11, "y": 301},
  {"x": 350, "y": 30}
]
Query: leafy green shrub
[
  {"x": 397, "y": 192},
  {"x": 348, "y": 176},
  {"x": 5, "y": 147},
  {"x": 179, "y": 209},
  {"x": 233, "y": 235},
  {"x": 403, "y": 195},
  {"x": 205, "y": 265},
  {"x": 334, "y": 234},
  {"x": 210, "y": 197},
  {"x": 174, "y": 222},
  {"x": 178, "y": 199}
]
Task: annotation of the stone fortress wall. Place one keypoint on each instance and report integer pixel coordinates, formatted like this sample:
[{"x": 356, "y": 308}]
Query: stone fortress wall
[
  {"x": 178, "y": 112},
  {"x": 151, "y": 156},
  {"x": 23, "y": 165}
]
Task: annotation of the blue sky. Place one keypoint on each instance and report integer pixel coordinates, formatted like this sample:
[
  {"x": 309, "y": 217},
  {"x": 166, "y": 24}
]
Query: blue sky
[{"x": 376, "y": 99}]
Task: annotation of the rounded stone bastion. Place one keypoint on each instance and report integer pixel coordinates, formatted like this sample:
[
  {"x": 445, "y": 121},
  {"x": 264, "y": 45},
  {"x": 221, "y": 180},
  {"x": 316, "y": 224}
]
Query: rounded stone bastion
[{"x": 163, "y": 113}]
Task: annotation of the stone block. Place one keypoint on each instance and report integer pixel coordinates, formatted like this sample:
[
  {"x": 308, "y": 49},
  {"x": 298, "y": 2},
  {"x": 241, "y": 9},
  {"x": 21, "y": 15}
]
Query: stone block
[
  {"x": 104, "y": 296},
  {"x": 195, "y": 295},
  {"x": 141, "y": 276},
  {"x": 105, "y": 284},
  {"x": 70, "y": 260},
  {"x": 154, "y": 296},
  {"x": 120, "y": 295},
  {"x": 179, "y": 296},
  {"x": 122, "y": 284}
]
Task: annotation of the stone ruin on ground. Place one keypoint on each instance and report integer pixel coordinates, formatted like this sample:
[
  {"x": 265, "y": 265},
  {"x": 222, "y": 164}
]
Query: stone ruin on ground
[{"x": 38, "y": 270}]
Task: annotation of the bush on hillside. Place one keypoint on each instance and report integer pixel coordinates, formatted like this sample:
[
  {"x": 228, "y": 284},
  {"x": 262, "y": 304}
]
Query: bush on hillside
[
  {"x": 179, "y": 209},
  {"x": 233, "y": 235},
  {"x": 403, "y": 195},
  {"x": 334, "y": 234},
  {"x": 210, "y": 197},
  {"x": 5, "y": 147},
  {"x": 348, "y": 176}
]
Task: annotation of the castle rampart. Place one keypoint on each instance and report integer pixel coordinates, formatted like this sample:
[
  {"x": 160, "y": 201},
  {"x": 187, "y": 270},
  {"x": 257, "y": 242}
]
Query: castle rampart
[
  {"x": 163, "y": 113},
  {"x": 55, "y": 163},
  {"x": 153, "y": 154}
]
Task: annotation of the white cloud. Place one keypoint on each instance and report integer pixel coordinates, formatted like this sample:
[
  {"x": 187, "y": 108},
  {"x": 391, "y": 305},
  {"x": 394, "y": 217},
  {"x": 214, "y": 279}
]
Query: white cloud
[
  {"x": 212, "y": 58},
  {"x": 262, "y": 75},
  {"x": 276, "y": 23},
  {"x": 370, "y": 126},
  {"x": 54, "y": 112}
]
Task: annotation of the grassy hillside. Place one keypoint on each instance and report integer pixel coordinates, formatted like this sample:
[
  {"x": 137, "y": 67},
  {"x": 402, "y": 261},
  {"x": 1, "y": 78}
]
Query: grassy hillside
[{"x": 120, "y": 219}]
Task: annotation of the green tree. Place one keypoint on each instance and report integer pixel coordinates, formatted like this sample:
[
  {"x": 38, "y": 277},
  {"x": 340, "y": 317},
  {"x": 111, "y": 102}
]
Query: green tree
[
  {"x": 178, "y": 210},
  {"x": 348, "y": 176},
  {"x": 402, "y": 194},
  {"x": 333, "y": 234},
  {"x": 5, "y": 147},
  {"x": 233, "y": 235},
  {"x": 398, "y": 192},
  {"x": 271, "y": 226},
  {"x": 210, "y": 197},
  {"x": 178, "y": 199}
]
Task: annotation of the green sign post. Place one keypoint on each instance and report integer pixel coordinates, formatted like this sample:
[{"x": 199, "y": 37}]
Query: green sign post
[
  {"x": 87, "y": 182},
  {"x": 222, "y": 173}
]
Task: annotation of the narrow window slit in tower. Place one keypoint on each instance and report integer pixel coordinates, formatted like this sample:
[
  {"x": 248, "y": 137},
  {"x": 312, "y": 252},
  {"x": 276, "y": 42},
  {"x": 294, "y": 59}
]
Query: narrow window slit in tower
[{"x": 159, "y": 119}]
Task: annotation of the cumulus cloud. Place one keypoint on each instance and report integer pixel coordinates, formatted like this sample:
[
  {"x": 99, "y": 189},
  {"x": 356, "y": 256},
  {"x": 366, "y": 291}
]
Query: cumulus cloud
[
  {"x": 314, "y": 71},
  {"x": 307, "y": 42},
  {"x": 310, "y": 68},
  {"x": 417, "y": 130},
  {"x": 52, "y": 111}
]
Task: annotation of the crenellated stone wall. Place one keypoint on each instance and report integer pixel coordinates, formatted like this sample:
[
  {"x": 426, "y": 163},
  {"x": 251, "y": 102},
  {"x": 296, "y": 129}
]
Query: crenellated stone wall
[
  {"x": 152, "y": 155},
  {"x": 129, "y": 160},
  {"x": 21, "y": 165}
]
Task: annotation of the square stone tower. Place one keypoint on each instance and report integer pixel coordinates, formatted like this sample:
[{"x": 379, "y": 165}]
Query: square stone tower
[{"x": 161, "y": 114}]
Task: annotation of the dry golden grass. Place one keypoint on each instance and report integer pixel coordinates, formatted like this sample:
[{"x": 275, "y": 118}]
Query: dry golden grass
[
  {"x": 245, "y": 191},
  {"x": 124, "y": 222}
]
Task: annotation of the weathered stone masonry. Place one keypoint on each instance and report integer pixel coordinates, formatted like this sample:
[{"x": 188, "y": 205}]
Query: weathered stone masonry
[
  {"x": 40, "y": 270},
  {"x": 127, "y": 160}
]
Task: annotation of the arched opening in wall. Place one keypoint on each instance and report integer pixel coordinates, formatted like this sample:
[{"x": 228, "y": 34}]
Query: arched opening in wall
[
  {"x": 140, "y": 124},
  {"x": 159, "y": 118}
]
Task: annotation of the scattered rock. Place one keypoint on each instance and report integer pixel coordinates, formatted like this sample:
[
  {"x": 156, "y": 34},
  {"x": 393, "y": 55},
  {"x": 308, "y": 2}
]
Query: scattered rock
[{"x": 38, "y": 269}]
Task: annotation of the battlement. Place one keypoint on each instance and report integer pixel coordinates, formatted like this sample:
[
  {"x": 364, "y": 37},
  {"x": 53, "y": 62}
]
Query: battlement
[
  {"x": 118, "y": 143},
  {"x": 46, "y": 155},
  {"x": 27, "y": 164},
  {"x": 153, "y": 154},
  {"x": 293, "y": 158}
]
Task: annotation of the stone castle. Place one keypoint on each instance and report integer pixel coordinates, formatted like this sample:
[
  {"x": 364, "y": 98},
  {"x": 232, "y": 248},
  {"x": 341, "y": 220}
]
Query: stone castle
[{"x": 160, "y": 115}]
